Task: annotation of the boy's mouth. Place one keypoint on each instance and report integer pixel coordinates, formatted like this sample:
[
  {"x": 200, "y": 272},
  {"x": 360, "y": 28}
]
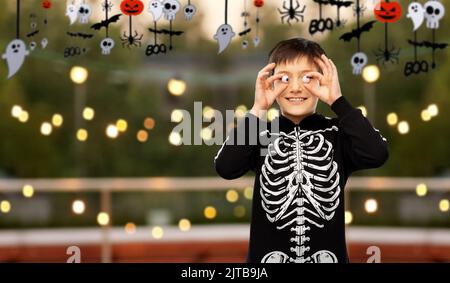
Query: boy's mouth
[{"x": 296, "y": 99}]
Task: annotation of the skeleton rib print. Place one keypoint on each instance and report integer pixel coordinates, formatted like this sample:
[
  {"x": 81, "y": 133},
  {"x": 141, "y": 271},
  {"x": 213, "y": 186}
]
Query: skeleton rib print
[{"x": 300, "y": 185}]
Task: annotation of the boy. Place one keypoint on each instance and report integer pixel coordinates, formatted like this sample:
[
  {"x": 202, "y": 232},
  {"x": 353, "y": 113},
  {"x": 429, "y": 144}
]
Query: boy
[{"x": 298, "y": 200}]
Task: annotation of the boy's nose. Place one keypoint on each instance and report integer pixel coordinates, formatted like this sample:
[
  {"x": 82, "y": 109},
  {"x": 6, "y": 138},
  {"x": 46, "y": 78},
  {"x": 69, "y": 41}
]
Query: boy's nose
[{"x": 296, "y": 86}]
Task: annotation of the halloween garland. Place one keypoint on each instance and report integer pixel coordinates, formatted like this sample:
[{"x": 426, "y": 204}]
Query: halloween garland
[
  {"x": 387, "y": 12},
  {"x": 433, "y": 11},
  {"x": 131, "y": 8},
  {"x": 107, "y": 43},
  {"x": 291, "y": 12},
  {"x": 169, "y": 8},
  {"x": 189, "y": 11},
  {"x": 359, "y": 59},
  {"x": 258, "y": 4},
  {"x": 244, "y": 34},
  {"x": 16, "y": 50},
  {"x": 224, "y": 33},
  {"x": 80, "y": 11}
]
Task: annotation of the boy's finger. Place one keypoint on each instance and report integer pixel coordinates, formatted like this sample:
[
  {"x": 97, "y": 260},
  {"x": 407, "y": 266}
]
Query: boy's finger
[
  {"x": 322, "y": 66},
  {"x": 315, "y": 75},
  {"x": 268, "y": 67},
  {"x": 326, "y": 60},
  {"x": 262, "y": 76},
  {"x": 274, "y": 78}
]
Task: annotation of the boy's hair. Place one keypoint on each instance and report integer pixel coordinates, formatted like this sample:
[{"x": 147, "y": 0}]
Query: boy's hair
[{"x": 289, "y": 50}]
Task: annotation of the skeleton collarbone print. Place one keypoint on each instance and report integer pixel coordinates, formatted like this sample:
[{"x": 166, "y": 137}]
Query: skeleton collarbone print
[
  {"x": 300, "y": 176},
  {"x": 300, "y": 190}
]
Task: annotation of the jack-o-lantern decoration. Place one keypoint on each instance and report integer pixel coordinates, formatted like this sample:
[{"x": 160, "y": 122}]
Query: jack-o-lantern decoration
[
  {"x": 387, "y": 12},
  {"x": 131, "y": 7},
  {"x": 258, "y": 3},
  {"x": 46, "y": 4}
]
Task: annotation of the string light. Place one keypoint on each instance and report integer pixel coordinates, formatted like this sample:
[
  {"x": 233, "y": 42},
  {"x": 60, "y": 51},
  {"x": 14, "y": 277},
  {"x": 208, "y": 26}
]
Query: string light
[
  {"x": 121, "y": 125},
  {"x": 184, "y": 225},
  {"x": 371, "y": 206},
  {"x": 142, "y": 136},
  {"x": 23, "y": 117},
  {"x": 272, "y": 114},
  {"x": 363, "y": 110},
  {"x": 78, "y": 206},
  {"x": 348, "y": 217},
  {"x": 248, "y": 193},
  {"x": 57, "y": 120},
  {"x": 149, "y": 123},
  {"x": 175, "y": 138},
  {"x": 5, "y": 206},
  {"x": 208, "y": 112},
  {"x": 239, "y": 211},
  {"x": 210, "y": 212},
  {"x": 78, "y": 74},
  {"x": 392, "y": 119},
  {"x": 425, "y": 115},
  {"x": 28, "y": 191},
  {"x": 103, "y": 218},
  {"x": 371, "y": 73},
  {"x": 403, "y": 127},
  {"x": 112, "y": 131},
  {"x": 176, "y": 87},
  {"x": 240, "y": 111},
  {"x": 130, "y": 228},
  {"x": 46, "y": 128},
  {"x": 433, "y": 110},
  {"x": 176, "y": 116},
  {"x": 82, "y": 135},
  {"x": 157, "y": 232},
  {"x": 206, "y": 133},
  {"x": 444, "y": 205},
  {"x": 421, "y": 190},
  {"x": 88, "y": 113},
  {"x": 16, "y": 110},
  {"x": 232, "y": 196}
]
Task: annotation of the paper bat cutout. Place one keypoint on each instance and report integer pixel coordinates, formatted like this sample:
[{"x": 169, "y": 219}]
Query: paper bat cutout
[
  {"x": 356, "y": 33},
  {"x": 105, "y": 23},
  {"x": 165, "y": 31},
  {"x": 33, "y": 33},
  {"x": 339, "y": 3},
  {"x": 428, "y": 44},
  {"x": 79, "y": 34},
  {"x": 244, "y": 32}
]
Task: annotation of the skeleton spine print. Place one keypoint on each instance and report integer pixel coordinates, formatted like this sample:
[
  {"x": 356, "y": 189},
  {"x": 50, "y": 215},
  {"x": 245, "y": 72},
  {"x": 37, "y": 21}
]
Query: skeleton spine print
[{"x": 300, "y": 190}]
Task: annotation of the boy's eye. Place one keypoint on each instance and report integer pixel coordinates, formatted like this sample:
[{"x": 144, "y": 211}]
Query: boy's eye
[
  {"x": 285, "y": 79},
  {"x": 306, "y": 79}
]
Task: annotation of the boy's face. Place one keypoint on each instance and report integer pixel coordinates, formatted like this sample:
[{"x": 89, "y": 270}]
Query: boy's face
[{"x": 290, "y": 105}]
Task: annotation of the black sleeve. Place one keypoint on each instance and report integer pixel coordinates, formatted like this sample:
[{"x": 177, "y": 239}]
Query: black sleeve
[
  {"x": 363, "y": 146},
  {"x": 239, "y": 150}
]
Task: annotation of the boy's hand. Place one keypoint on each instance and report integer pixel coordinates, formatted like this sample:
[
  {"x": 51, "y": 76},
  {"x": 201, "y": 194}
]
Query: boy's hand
[
  {"x": 265, "y": 93},
  {"x": 329, "y": 89}
]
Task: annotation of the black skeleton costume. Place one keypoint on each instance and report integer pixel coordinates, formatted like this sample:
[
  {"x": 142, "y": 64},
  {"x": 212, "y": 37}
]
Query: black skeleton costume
[{"x": 301, "y": 172}]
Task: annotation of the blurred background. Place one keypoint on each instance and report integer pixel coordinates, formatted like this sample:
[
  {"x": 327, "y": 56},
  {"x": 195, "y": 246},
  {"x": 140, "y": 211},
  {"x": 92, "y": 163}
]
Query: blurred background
[{"x": 88, "y": 158}]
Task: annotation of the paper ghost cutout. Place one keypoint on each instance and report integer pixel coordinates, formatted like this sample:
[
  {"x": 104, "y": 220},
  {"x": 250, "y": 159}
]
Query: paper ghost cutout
[
  {"x": 155, "y": 8},
  {"x": 15, "y": 56},
  {"x": 416, "y": 13},
  {"x": 44, "y": 42},
  {"x": 223, "y": 36},
  {"x": 72, "y": 13}
]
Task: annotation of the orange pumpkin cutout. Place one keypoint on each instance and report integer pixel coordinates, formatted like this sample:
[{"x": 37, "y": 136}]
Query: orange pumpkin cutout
[
  {"x": 258, "y": 3},
  {"x": 131, "y": 7},
  {"x": 46, "y": 4},
  {"x": 387, "y": 12}
]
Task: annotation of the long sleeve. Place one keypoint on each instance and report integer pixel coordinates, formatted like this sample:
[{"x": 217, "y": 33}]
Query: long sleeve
[
  {"x": 239, "y": 150},
  {"x": 363, "y": 145}
]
